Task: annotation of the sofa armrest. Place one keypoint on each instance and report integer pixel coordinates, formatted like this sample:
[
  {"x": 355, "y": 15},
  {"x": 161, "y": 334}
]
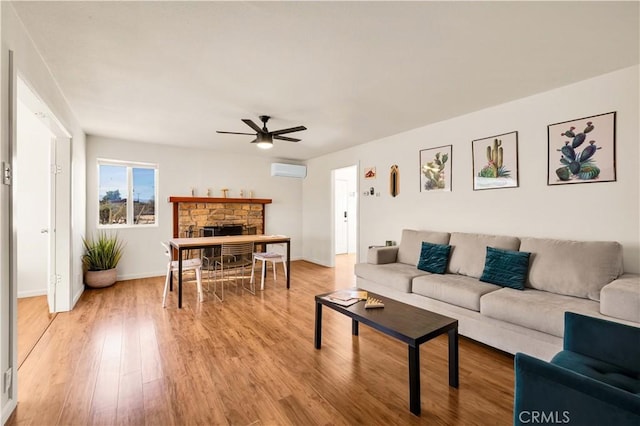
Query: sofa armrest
[
  {"x": 607, "y": 341},
  {"x": 562, "y": 396},
  {"x": 380, "y": 255},
  {"x": 621, "y": 298}
]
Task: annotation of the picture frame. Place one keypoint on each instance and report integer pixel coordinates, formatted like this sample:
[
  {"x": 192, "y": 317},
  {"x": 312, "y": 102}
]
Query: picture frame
[
  {"x": 582, "y": 150},
  {"x": 369, "y": 172},
  {"x": 495, "y": 161},
  {"x": 435, "y": 168}
]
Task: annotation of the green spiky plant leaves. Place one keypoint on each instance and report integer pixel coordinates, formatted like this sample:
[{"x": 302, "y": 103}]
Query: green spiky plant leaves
[
  {"x": 102, "y": 252},
  {"x": 503, "y": 172}
]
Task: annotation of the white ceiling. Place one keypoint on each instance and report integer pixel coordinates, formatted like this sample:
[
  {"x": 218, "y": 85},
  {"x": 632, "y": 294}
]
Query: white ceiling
[{"x": 351, "y": 72}]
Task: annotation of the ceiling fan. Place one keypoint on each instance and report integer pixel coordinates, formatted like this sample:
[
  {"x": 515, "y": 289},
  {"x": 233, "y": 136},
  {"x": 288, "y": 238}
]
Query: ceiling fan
[{"x": 264, "y": 138}]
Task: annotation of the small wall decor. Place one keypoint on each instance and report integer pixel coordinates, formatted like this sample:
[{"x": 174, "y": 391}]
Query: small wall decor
[
  {"x": 435, "y": 168},
  {"x": 369, "y": 172},
  {"x": 582, "y": 150},
  {"x": 495, "y": 161},
  {"x": 394, "y": 180},
  {"x": 371, "y": 192}
]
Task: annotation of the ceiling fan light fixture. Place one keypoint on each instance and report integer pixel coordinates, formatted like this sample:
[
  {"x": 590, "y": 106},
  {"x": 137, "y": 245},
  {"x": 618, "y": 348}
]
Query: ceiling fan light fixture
[
  {"x": 265, "y": 141},
  {"x": 264, "y": 138},
  {"x": 265, "y": 145}
]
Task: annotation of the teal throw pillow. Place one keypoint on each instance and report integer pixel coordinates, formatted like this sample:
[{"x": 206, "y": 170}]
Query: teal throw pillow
[
  {"x": 434, "y": 257},
  {"x": 506, "y": 268}
]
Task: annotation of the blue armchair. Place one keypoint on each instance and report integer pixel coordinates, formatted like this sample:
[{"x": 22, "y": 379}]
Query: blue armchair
[{"x": 594, "y": 380}]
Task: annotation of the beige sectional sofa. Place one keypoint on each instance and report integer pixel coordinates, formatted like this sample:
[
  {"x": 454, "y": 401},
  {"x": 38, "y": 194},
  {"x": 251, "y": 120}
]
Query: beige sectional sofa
[{"x": 580, "y": 276}]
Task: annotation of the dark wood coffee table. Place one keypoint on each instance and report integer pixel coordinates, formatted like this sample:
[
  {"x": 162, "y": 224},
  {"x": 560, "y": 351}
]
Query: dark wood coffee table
[{"x": 406, "y": 323}]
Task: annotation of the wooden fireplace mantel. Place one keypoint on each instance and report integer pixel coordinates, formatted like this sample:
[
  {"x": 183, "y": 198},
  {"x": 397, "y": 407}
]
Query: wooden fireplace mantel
[
  {"x": 173, "y": 199},
  {"x": 177, "y": 200}
]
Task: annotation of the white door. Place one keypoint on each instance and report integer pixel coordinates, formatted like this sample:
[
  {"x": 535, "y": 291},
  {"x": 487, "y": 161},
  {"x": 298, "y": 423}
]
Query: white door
[
  {"x": 51, "y": 232},
  {"x": 33, "y": 210},
  {"x": 341, "y": 219}
]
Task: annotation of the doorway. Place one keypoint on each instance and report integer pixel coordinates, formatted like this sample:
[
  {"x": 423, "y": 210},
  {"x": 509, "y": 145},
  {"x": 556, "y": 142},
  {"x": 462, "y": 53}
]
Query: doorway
[
  {"x": 34, "y": 218},
  {"x": 345, "y": 218}
]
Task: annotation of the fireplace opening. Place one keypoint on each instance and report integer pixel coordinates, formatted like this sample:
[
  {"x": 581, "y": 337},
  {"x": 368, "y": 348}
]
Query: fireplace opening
[
  {"x": 222, "y": 230},
  {"x": 218, "y": 231}
]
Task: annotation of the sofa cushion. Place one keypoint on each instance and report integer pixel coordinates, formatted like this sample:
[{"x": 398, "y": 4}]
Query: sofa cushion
[
  {"x": 434, "y": 257},
  {"x": 380, "y": 255},
  {"x": 396, "y": 276},
  {"x": 506, "y": 268},
  {"x": 468, "y": 251},
  {"x": 458, "y": 290},
  {"x": 538, "y": 310},
  {"x": 599, "y": 370},
  {"x": 572, "y": 268},
  {"x": 621, "y": 298},
  {"x": 411, "y": 243}
]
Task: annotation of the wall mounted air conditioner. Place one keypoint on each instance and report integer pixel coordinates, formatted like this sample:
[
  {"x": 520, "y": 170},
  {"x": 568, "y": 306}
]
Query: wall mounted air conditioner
[{"x": 288, "y": 170}]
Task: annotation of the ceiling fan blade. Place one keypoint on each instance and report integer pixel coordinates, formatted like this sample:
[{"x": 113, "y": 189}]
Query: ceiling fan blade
[
  {"x": 235, "y": 133},
  {"x": 285, "y": 138},
  {"x": 251, "y": 124},
  {"x": 289, "y": 130}
]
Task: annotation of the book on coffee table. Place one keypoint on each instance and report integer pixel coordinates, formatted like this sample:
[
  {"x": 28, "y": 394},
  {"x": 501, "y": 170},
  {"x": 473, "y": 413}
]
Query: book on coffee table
[
  {"x": 341, "y": 302},
  {"x": 346, "y": 297}
]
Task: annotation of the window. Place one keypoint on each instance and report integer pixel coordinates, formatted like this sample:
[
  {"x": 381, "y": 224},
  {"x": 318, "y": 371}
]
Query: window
[{"x": 127, "y": 193}]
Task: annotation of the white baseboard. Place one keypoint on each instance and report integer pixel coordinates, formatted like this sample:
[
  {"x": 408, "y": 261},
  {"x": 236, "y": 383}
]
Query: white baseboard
[
  {"x": 32, "y": 293},
  {"x": 141, "y": 275},
  {"x": 76, "y": 296},
  {"x": 316, "y": 261}
]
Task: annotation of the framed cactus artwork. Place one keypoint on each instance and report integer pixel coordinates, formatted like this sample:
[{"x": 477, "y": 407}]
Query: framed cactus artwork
[
  {"x": 435, "y": 169},
  {"x": 495, "y": 162},
  {"x": 582, "y": 150}
]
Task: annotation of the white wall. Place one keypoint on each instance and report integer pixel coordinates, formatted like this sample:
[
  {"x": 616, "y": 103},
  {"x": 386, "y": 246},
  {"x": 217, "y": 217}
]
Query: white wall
[
  {"x": 594, "y": 211},
  {"x": 35, "y": 73},
  {"x": 179, "y": 170},
  {"x": 31, "y": 67}
]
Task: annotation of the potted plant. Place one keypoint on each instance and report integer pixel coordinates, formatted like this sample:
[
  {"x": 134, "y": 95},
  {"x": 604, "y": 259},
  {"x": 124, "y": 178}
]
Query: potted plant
[{"x": 101, "y": 256}]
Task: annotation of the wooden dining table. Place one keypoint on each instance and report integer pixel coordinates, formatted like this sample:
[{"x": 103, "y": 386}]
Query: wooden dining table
[{"x": 182, "y": 244}]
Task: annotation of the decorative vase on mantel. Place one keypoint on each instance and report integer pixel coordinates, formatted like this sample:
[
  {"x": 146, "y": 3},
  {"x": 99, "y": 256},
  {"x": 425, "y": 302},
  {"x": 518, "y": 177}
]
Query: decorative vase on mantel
[{"x": 100, "y": 279}]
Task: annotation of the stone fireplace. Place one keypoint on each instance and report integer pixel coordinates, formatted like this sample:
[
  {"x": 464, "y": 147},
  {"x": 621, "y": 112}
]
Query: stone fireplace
[{"x": 201, "y": 216}]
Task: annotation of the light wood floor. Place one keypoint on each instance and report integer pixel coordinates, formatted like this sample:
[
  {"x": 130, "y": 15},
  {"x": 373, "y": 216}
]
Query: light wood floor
[
  {"x": 120, "y": 358},
  {"x": 33, "y": 320}
]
